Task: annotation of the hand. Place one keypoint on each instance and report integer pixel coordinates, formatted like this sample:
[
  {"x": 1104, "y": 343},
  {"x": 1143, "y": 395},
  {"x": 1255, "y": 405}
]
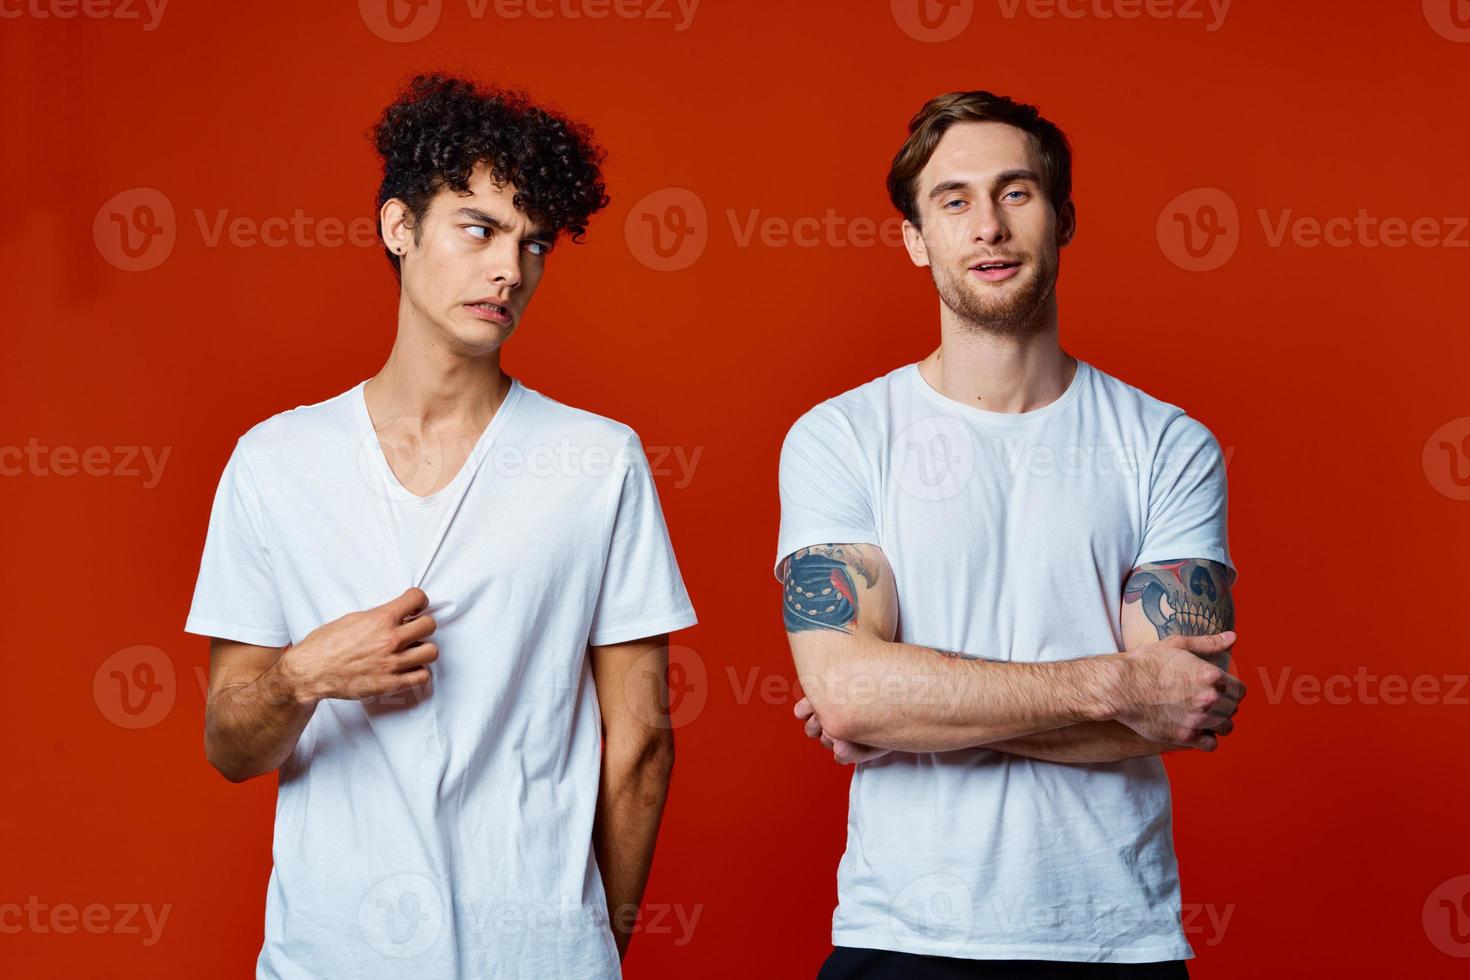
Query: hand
[
  {"x": 364, "y": 655},
  {"x": 847, "y": 753},
  {"x": 1176, "y": 691}
]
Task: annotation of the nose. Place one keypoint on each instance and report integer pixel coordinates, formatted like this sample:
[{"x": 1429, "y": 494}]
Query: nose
[
  {"x": 989, "y": 226},
  {"x": 505, "y": 265}
]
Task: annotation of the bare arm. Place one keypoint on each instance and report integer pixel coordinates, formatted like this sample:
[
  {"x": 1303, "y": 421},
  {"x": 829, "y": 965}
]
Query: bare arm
[
  {"x": 260, "y": 698},
  {"x": 251, "y": 721},
  {"x": 840, "y": 606},
  {"x": 1189, "y": 597},
  {"x": 637, "y": 761}
]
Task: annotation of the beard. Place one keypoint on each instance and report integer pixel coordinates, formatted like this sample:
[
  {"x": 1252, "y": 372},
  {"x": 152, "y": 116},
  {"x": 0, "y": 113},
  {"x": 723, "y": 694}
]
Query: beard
[{"x": 1014, "y": 309}]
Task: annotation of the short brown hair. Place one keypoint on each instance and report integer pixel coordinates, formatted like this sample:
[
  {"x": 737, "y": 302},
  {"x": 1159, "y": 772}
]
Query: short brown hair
[{"x": 943, "y": 111}]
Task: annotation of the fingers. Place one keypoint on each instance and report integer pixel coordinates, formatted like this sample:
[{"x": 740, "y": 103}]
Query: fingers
[
  {"x": 806, "y": 713},
  {"x": 1230, "y": 686},
  {"x": 851, "y": 753},
  {"x": 411, "y": 679},
  {"x": 1219, "y": 711},
  {"x": 411, "y": 601},
  {"x": 1205, "y": 646},
  {"x": 414, "y": 630},
  {"x": 1204, "y": 741},
  {"x": 418, "y": 655}
]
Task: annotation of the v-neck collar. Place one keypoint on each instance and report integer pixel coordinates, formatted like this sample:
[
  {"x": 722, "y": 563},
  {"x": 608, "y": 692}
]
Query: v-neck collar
[{"x": 391, "y": 484}]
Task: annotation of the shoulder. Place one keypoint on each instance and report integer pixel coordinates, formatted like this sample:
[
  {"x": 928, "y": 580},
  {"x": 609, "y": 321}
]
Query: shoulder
[
  {"x": 1161, "y": 424},
  {"x": 852, "y": 413},
  {"x": 305, "y": 429},
  {"x": 539, "y": 418}
]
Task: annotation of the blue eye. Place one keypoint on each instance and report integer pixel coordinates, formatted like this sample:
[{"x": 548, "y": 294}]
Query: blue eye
[
  {"x": 538, "y": 248},
  {"x": 483, "y": 228}
]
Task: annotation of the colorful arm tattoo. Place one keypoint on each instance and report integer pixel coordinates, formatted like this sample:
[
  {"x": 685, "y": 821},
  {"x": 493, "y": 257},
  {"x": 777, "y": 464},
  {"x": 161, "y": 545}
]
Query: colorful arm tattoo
[
  {"x": 818, "y": 589},
  {"x": 1183, "y": 597}
]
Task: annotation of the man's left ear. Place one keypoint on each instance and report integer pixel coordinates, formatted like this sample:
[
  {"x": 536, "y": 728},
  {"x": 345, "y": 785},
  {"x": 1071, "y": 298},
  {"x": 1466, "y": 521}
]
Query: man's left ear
[{"x": 1066, "y": 224}]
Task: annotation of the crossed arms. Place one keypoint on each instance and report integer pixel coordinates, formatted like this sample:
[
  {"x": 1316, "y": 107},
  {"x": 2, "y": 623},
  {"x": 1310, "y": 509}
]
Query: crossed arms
[{"x": 867, "y": 694}]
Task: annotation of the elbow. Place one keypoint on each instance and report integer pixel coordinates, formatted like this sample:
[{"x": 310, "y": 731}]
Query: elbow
[
  {"x": 842, "y": 717},
  {"x": 656, "y": 771},
  {"x": 222, "y": 762},
  {"x": 656, "y": 761},
  {"x": 842, "y": 722},
  {"x": 226, "y": 768},
  {"x": 645, "y": 765},
  {"x": 847, "y": 700},
  {"x": 234, "y": 774}
]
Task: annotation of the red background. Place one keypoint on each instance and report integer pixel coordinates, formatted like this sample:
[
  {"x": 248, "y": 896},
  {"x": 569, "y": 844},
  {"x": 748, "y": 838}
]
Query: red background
[{"x": 1321, "y": 828}]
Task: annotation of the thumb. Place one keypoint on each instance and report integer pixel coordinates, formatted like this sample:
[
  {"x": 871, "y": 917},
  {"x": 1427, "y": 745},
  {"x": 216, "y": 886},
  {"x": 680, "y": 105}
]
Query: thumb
[{"x": 1207, "y": 645}]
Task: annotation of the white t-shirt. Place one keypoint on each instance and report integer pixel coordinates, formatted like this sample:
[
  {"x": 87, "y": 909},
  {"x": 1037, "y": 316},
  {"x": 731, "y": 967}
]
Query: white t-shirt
[
  {"x": 1010, "y": 537},
  {"x": 447, "y": 835}
]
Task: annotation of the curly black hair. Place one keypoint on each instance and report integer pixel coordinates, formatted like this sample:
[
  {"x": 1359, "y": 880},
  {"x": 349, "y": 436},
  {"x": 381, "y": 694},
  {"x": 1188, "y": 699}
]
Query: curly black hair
[{"x": 441, "y": 127}]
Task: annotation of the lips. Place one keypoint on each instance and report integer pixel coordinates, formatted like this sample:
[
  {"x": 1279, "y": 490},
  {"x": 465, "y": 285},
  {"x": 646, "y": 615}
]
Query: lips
[
  {"x": 994, "y": 270},
  {"x": 489, "y": 309}
]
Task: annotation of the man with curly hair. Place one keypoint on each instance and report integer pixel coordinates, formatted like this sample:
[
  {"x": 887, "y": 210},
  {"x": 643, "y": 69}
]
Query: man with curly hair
[{"x": 440, "y": 601}]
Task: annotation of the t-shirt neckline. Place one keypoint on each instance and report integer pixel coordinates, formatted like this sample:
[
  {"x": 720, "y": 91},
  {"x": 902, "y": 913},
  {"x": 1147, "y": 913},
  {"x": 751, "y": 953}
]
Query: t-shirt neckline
[
  {"x": 1001, "y": 418},
  {"x": 394, "y": 487}
]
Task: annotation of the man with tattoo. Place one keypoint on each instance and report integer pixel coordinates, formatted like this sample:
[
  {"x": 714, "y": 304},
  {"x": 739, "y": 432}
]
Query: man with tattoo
[{"x": 1006, "y": 584}]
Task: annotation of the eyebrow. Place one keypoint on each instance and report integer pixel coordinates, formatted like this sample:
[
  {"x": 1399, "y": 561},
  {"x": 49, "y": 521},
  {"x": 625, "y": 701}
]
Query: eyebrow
[
  {"x": 537, "y": 232},
  {"x": 1004, "y": 177}
]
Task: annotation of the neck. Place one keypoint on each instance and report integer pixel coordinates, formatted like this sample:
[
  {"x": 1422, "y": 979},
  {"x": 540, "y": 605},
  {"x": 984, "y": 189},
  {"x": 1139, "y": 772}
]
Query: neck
[
  {"x": 996, "y": 371},
  {"x": 436, "y": 384}
]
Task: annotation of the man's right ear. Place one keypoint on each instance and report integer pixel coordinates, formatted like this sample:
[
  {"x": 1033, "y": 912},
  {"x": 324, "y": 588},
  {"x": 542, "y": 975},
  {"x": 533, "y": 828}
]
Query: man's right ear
[
  {"x": 913, "y": 240},
  {"x": 393, "y": 226}
]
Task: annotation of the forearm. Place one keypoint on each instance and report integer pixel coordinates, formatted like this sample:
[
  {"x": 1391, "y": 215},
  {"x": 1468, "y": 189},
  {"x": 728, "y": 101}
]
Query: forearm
[
  {"x": 251, "y": 729},
  {"x": 630, "y": 803},
  {"x": 1088, "y": 741},
  {"x": 916, "y": 699}
]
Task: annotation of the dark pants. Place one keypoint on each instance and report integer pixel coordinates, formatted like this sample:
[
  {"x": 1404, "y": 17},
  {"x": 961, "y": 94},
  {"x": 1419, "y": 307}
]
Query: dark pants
[{"x": 847, "y": 963}]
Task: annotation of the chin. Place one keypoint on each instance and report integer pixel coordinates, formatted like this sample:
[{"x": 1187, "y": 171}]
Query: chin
[{"x": 483, "y": 336}]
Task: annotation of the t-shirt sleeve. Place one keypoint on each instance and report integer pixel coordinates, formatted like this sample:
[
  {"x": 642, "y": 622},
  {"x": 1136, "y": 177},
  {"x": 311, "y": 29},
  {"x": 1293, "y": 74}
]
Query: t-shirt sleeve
[
  {"x": 642, "y": 591},
  {"x": 235, "y": 596},
  {"x": 1187, "y": 498},
  {"x": 825, "y": 497}
]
